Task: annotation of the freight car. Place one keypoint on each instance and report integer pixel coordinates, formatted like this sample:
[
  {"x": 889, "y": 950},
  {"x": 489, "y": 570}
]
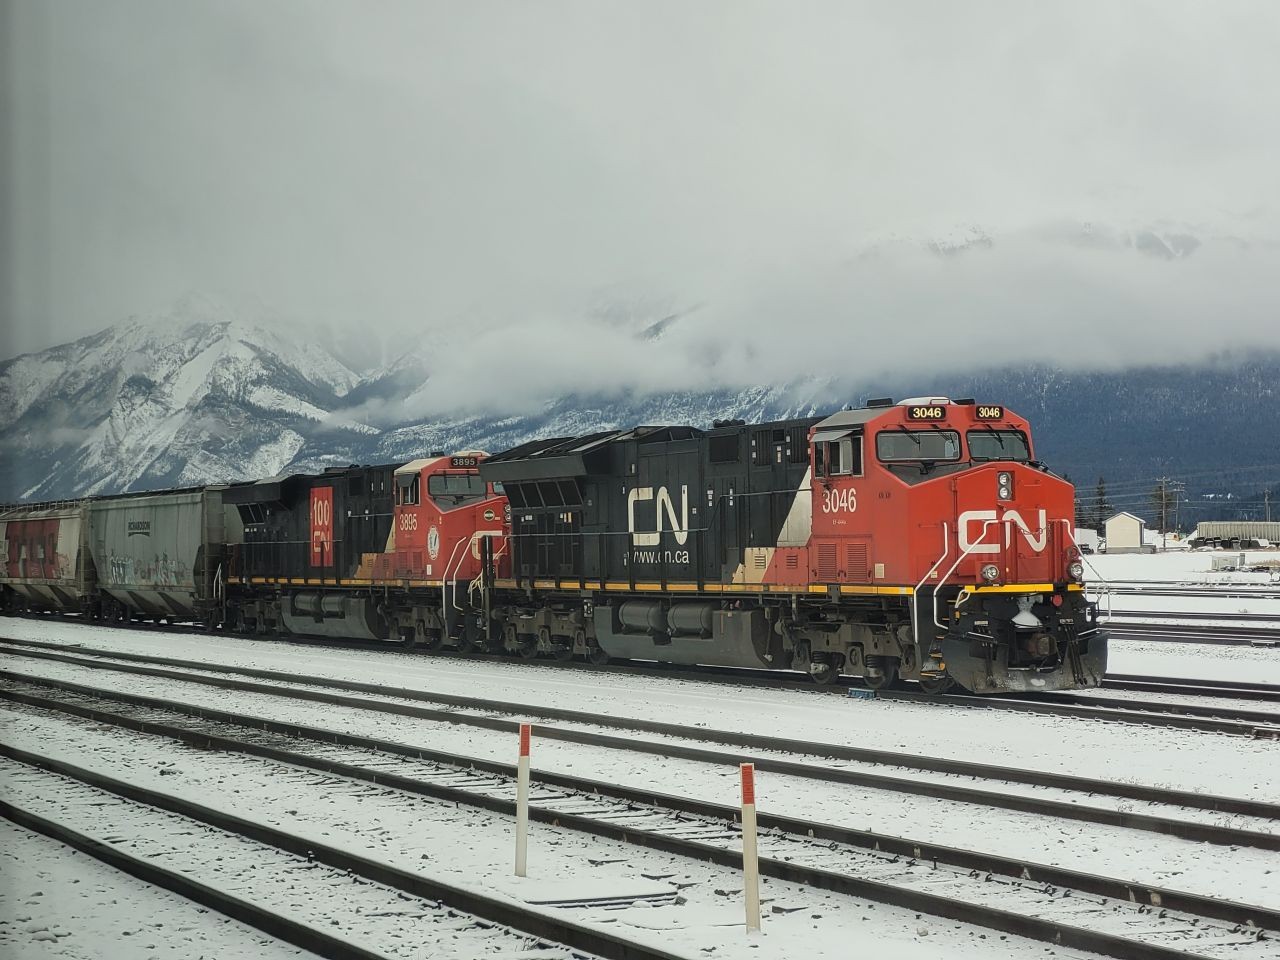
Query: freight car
[
  {"x": 918, "y": 540},
  {"x": 44, "y": 558},
  {"x": 147, "y": 556}
]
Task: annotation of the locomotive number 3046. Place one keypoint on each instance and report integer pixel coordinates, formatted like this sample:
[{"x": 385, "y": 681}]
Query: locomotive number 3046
[{"x": 844, "y": 500}]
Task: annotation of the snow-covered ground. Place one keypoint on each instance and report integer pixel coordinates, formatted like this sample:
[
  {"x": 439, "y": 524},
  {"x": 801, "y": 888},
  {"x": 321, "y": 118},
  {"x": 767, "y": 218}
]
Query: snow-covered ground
[
  {"x": 58, "y": 902},
  {"x": 472, "y": 848},
  {"x": 1181, "y": 567},
  {"x": 1085, "y": 748},
  {"x": 1241, "y": 874},
  {"x": 1117, "y": 579},
  {"x": 1207, "y": 763}
]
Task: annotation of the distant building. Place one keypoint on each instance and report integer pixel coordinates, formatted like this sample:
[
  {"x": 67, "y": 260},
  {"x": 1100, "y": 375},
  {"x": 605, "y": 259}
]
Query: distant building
[
  {"x": 1228, "y": 530},
  {"x": 1087, "y": 537},
  {"x": 1124, "y": 534}
]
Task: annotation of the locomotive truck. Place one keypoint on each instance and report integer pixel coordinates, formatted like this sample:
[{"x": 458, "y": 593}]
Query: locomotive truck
[{"x": 917, "y": 540}]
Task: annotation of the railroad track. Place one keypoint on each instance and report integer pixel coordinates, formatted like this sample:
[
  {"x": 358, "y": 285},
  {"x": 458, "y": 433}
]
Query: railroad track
[
  {"x": 1205, "y": 718},
  {"x": 291, "y": 888},
  {"x": 1188, "y": 716},
  {"x": 1241, "y": 618},
  {"x": 1226, "y": 636},
  {"x": 1238, "y": 690},
  {"x": 581, "y": 728},
  {"x": 1067, "y": 908}
]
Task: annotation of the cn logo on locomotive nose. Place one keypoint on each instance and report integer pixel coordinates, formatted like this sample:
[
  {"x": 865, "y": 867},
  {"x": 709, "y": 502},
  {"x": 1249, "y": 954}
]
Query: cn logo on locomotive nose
[
  {"x": 679, "y": 527},
  {"x": 1037, "y": 540}
]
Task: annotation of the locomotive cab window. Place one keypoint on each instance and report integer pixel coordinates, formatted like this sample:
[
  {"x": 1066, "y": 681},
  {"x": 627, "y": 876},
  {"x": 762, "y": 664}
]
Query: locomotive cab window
[
  {"x": 409, "y": 490},
  {"x": 450, "y": 490},
  {"x": 992, "y": 444},
  {"x": 836, "y": 455},
  {"x": 896, "y": 446}
]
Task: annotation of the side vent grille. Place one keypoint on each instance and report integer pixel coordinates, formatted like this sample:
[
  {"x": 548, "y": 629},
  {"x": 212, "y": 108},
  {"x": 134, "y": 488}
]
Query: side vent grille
[
  {"x": 856, "y": 569},
  {"x": 793, "y": 562},
  {"x": 827, "y": 562}
]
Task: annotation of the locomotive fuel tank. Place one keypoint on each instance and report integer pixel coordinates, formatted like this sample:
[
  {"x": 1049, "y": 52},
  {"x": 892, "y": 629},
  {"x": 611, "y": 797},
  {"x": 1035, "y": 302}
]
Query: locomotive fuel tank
[
  {"x": 332, "y": 615},
  {"x": 688, "y": 633}
]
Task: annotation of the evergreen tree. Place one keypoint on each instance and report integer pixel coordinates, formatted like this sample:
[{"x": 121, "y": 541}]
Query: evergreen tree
[{"x": 1101, "y": 507}]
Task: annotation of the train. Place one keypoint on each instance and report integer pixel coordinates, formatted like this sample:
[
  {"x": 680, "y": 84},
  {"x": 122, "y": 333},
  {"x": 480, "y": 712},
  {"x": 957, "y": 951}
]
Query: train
[{"x": 918, "y": 540}]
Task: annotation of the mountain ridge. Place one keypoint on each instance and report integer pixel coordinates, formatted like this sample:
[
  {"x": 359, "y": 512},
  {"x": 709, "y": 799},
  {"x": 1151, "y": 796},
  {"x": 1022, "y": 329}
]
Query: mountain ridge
[{"x": 197, "y": 397}]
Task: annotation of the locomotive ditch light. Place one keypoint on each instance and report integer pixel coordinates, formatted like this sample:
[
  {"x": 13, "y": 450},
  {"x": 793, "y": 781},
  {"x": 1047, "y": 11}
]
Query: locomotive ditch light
[
  {"x": 1004, "y": 485},
  {"x": 1075, "y": 570},
  {"x": 990, "y": 572}
]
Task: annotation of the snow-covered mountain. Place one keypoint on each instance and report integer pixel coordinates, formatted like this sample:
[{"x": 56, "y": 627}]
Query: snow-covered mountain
[
  {"x": 187, "y": 398},
  {"x": 209, "y": 394}
]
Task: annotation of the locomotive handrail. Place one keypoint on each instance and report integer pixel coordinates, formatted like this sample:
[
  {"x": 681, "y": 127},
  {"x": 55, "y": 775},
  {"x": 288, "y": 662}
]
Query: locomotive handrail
[
  {"x": 476, "y": 584},
  {"x": 444, "y": 583},
  {"x": 1108, "y": 593},
  {"x": 985, "y": 526},
  {"x": 915, "y": 594}
]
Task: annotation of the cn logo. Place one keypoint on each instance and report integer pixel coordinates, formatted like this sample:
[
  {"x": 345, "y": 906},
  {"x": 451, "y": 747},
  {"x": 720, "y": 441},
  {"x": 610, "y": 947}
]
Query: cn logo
[
  {"x": 973, "y": 524},
  {"x": 679, "y": 527}
]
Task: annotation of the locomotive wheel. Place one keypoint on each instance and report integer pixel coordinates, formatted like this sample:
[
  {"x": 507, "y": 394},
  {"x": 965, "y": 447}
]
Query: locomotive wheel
[
  {"x": 886, "y": 679},
  {"x": 528, "y": 648},
  {"x": 427, "y": 639},
  {"x": 563, "y": 651},
  {"x": 823, "y": 673},
  {"x": 598, "y": 656},
  {"x": 937, "y": 685}
]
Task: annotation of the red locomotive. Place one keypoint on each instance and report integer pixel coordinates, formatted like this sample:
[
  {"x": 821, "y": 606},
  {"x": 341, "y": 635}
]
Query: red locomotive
[{"x": 918, "y": 540}]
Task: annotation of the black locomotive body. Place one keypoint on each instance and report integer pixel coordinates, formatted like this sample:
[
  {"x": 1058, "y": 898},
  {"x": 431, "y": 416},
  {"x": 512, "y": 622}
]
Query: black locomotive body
[{"x": 670, "y": 505}]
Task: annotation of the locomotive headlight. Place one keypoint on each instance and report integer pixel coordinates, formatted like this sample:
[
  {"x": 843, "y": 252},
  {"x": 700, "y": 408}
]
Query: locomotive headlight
[
  {"x": 1004, "y": 485},
  {"x": 990, "y": 572},
  {"x": 1075, "y": 570}
]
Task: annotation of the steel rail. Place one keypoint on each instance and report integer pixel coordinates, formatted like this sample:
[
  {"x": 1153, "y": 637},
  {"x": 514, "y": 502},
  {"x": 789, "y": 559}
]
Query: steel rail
[
  {"x": 1191, "y": 717},
  {"x": 1205, "y": 634},
  {"x": 1035, "y": 928},
  {"x": 1188, "y": 716},
  {"x": 967, "y": 768},
  {"x": 1183, "y": 829},
  {"x": 274, "y": 925},
  {"x": 1239, "y": 621},
  {"x": 534, "y": 923},
  {"x": 1173, "y": 588},
  {"x": 1239, "y": 689}
]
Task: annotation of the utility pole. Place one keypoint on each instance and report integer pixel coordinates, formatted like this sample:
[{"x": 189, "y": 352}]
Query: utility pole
[
  {"x": 1163, "y": 495},
  {"x": 1266, "y": 502}
]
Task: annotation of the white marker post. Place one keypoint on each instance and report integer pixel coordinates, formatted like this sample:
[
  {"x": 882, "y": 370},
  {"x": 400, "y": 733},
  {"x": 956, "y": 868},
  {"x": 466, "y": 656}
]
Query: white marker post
[
  {"x": 750, "y": 860},
  {"x": 522, "y": 800}
]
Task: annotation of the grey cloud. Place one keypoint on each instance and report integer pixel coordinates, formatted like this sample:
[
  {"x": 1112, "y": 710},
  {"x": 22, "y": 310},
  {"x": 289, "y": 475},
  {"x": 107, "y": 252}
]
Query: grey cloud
[{"x": 508, "y": 179}]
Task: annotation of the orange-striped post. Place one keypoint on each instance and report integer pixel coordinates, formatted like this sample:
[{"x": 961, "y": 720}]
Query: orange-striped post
[
  {"x": 522, "y": 800},
  {"x": 750, "y": 859}
]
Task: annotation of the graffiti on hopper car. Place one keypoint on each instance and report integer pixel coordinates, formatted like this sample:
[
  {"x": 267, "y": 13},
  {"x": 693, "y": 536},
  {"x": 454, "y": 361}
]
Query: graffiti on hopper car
[{"x": 159, "y": 571}]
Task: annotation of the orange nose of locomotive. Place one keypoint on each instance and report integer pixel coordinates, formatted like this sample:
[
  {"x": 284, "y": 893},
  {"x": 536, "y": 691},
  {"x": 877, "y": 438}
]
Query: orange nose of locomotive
[{"x": 1014, "y": 524}]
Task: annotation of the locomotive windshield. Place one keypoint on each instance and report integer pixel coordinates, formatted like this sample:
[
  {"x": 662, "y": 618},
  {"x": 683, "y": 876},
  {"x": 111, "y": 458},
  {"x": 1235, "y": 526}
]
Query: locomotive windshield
[
  {"x": 994, "y": 444},
  {"x": 900, "y": 445},
  {"x": 450, "y": 490}
]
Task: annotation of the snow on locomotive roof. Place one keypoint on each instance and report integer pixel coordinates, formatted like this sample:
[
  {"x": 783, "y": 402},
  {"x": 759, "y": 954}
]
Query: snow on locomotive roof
[
  {"x": 926, "y": 402},
  {"x": 850, "y": 418},
  {"x": 414, "y": 466}
]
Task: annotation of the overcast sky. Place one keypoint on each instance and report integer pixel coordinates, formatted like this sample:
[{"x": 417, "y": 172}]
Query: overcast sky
[{"x": 525, "y": 172}]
